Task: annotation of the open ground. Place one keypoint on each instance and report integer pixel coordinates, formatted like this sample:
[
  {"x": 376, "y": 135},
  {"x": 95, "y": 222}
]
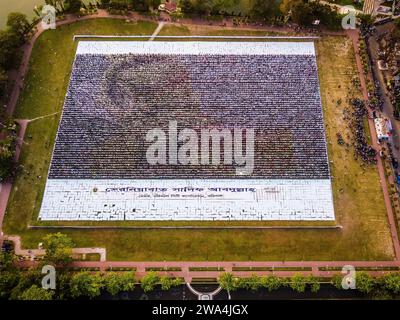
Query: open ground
[{"x": 359, "y": 205}]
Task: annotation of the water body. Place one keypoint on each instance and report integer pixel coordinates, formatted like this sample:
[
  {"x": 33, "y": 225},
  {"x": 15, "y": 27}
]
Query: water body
[{"x": 23, "y": 6}]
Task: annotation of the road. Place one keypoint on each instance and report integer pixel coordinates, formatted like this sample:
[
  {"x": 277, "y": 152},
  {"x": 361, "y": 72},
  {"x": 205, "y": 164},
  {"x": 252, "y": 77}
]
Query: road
[{"x": 387, "y": 105}]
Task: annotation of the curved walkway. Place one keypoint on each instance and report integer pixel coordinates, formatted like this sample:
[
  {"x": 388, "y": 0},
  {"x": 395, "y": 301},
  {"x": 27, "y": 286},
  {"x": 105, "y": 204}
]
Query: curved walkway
[{"x": 204, "y": 295}]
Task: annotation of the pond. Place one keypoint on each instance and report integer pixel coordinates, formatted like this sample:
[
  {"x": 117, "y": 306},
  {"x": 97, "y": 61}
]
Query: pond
[{"x": 23, "y": 6}]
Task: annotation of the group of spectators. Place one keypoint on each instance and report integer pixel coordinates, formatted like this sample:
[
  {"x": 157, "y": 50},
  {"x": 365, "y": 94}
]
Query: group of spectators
[
  {"x": 362, "y": 149},
  {"x": 114, "y": 100}
]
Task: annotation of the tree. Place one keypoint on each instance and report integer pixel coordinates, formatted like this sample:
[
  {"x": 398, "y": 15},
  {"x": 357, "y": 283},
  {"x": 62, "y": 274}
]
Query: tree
[
  {"x": 314, "y": 284},
  {"x": 26, "y": 280},
  {"x": 228, "y": 282},
  {"x": 86, "y": 284},
  {"x": 167, "y": 282},
  {"x": 57, "y": 4},
  {"x": 8, "y": 281},
  {"x": 7, "y": 260},
  {"x": 153, "y": 3},
  {"x": 72, "y": 6},
  {"x": 140, "y": 5},
  {"x": 265, "y": 9},
  {"x": 302, "y": 13},
  {"x": 186, "y": 6},
  {"x": 286, "y": 6},
  {"x": 271, "y": 283},
  {"x": 63, "y": 288},
  {"x": 366, "y": 19},
  {"x": 337, "y": 281},
  {"x": 36, "y": 293},
  {"x": 149, "y": 281},
  {"x": 58, "y": 248},
  {"x": 203, "y": 6},
  {"x": 251, "y": 283},
  {"x": 3, "y": 82},
  {"x": 298, "y": 283},
  {"x": 364, "y": 282},
  {"x": 9, "y": 45},
  {"x": 7, "y": 150},
  {"x": 118, "y": 282},
  {"x": 19, "y": 24}
]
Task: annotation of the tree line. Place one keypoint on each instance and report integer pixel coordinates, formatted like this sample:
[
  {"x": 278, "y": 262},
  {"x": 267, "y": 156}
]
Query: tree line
[
  {"x": 383, "y": 287},
  {"x": 17, "y": 284},
  {"x": 302, "y": 12}
]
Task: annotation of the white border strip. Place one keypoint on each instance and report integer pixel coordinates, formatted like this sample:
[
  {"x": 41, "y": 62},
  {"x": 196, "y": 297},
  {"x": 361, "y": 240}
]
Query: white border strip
[
  {"x": 94, "y": 36},
  {"x": 195, "y": 48},
  {"x": 191, "y": 199}
]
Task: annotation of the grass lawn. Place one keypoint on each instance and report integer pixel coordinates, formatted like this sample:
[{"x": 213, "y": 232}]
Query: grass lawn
[
  {"x": 358, "y": 198},
  {"x": 358, "y": 6},
  {"x": 187, "y": 30}
]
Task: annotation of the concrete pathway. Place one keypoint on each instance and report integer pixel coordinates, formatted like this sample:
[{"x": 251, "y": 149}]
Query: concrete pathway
[
  {"x": 205, "y": 295},
  {"x": 157, "y": 31},
  {"x": 32, "y": 253},
  {"x": 318, "y": 268}
]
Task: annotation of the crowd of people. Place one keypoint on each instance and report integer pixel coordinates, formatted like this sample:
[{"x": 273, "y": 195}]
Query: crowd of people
[
  {"x": 114, "y": 100},
  {"x": 362, "y": 149},
  {"x": 375, "y": 101}
]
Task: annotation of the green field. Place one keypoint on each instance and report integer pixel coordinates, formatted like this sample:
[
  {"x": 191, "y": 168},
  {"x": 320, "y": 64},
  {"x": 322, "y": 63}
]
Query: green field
[{"x": 358, "y": 198}]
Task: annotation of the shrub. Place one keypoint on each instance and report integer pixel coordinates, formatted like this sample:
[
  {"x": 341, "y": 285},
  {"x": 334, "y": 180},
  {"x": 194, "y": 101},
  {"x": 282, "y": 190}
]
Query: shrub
[{"x": 149, "y": 281}]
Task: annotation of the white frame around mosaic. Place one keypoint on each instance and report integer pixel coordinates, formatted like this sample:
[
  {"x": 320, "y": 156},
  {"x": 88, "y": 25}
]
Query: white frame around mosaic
[{"x": 189, "y": 199}]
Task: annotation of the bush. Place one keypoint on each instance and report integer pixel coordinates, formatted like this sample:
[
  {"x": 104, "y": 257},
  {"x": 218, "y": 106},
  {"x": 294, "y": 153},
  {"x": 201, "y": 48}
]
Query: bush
[
  {"x": 298, "y": 283},
  {"x": 314, "y": 284},
  {"x": 118, "y": 282},
  {"x": 251, "y": 283},
  {"x": 364, "y": 282},
  {"x": 86, "y": 284},
  {"x": 167, "y": 282},
  {"x": 149, "y": 281},
  {"x": 36, "y": 293},
  {"x": 391, "y": 282},
  {"x": 271, "y": 283},
  {"x": 228, "y": 282}
]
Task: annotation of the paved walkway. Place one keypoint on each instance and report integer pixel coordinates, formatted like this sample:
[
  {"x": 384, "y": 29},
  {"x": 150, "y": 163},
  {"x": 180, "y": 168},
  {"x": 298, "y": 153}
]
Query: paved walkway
[
  {"x": 182, "y": 268},
  {"x": 157, "y": 31},
  {"x": 32, "y": 253},
  {"x": 203, "y": 295}
]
